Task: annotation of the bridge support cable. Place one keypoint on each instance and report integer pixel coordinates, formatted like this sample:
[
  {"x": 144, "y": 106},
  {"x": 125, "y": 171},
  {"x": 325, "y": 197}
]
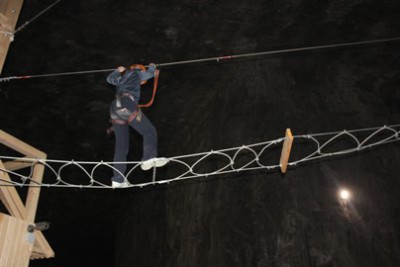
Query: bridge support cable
[{"x": 215, "y": 59}]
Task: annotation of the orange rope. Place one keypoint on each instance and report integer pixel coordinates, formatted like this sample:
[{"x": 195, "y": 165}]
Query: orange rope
[{"x": 148, "y": 104}]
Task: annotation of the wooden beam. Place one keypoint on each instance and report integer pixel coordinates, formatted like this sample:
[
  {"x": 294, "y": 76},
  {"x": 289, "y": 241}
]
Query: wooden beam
[
  {"x": 11, "y": 199},
  {"x": 3, "y": 6},
  {"x": 41, "y": 247},
  {"x": 10, "y": 196},
  {"x": 287, "y": 147},
  {"x": 18, "y": 164},
  {"x": 9, "y": 10},
  {"x": 20, "y": 146},
  {"x": 3, "y": 23},
  {"x": 4, "y": 46},
  {"x": 32, "y": 198}
]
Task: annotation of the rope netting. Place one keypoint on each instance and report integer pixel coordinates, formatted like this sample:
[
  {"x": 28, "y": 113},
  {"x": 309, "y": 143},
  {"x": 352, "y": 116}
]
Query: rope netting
[{"x": 263, "y": 156}]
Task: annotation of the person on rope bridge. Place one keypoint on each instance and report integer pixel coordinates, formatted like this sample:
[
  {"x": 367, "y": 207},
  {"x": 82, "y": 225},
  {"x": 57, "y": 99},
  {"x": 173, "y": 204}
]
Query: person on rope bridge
[{"x": 125, "y": 112}]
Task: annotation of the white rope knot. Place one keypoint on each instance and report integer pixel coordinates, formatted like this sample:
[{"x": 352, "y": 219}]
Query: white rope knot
[{"x": 10, "y": 35}]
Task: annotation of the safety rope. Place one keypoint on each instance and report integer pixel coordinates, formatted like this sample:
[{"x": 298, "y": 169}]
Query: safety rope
[
  {"x": 215, "y": 59},
  {"x": 155, "y": 85},
  {"x": 35, "y": 17},
  {"x": 253, "y": 157}
]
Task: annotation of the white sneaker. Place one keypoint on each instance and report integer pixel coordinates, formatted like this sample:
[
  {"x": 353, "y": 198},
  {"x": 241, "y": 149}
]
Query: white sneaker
[
  {"x": 120, "y": 185},
  {"x": 154, "y": 162}
]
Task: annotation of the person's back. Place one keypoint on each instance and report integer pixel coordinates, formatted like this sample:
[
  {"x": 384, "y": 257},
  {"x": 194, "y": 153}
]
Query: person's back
[{"x": 124, "y": 112}]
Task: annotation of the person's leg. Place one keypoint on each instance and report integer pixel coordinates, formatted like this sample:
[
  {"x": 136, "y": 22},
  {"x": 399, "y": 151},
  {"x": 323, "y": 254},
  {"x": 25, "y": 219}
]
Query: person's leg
[
  {"x": 121, "y": 151},
  {"x": 145, "y": 128}
]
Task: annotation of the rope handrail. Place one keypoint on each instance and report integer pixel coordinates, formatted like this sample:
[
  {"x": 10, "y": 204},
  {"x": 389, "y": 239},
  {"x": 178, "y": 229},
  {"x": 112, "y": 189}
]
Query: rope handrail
[{"x": 257, "y": 156}]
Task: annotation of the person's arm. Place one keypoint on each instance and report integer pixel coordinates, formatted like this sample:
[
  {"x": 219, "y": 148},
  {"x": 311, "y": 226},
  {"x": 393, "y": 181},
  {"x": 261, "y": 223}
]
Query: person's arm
[
  {"x": 115, "y": 76},
  {"x": 146, "y": 75}
]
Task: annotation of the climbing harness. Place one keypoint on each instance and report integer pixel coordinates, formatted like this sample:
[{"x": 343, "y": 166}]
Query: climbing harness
[
  {"x": 121, "y": 115},
  {"x": 134, "y": 115}
]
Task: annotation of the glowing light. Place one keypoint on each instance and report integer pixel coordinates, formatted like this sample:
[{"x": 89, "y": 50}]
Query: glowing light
[{"x": 344, "y": 194}]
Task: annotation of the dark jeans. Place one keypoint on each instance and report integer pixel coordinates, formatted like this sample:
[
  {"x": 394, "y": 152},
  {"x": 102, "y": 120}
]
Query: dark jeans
[{"x": 143, "y": 126}]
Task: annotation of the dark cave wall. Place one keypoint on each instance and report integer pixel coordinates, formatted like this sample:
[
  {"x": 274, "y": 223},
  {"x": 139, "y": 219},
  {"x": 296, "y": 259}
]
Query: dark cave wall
[{"x": 266, "y": 219}]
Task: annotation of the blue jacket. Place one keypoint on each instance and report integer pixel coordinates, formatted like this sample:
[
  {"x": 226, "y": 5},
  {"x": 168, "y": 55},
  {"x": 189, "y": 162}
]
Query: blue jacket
[{"x": 130, "y": 81}]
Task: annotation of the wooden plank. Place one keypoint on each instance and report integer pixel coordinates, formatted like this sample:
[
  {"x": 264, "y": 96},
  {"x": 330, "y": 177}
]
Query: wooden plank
[
  {"x": 8, "y": 243},
  {"x": 287, "y": 147},
  {"x": 12, "y": 232},
  {"x": 26, "y": 252},
  {"x": 41, "y": 246},
  {"x": 25, "y": 255},
  {"x": 15, "y": 251},
  {"x": 3, "y": 240},
  {"x": 3, "y": 231},
  {"x": 15, "y": 242},
  {"x": 23, "y": 250}
]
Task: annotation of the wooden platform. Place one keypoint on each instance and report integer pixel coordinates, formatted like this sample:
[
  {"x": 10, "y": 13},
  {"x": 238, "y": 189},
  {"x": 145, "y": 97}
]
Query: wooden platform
[{"x": 16, "y": 242}]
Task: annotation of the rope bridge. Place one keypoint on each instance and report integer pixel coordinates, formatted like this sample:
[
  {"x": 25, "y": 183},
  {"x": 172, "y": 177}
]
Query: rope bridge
[{"x": 265, "y": 156}]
